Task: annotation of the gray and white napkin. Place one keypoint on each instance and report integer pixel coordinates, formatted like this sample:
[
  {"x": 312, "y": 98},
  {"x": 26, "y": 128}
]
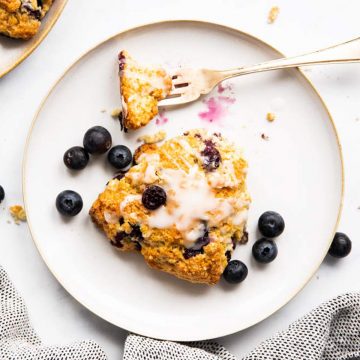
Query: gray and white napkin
[{"x": 330, "y": 332}]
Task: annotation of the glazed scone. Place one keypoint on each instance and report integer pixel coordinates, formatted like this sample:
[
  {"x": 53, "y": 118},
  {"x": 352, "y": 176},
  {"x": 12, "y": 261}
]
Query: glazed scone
[
  {"x": 141, "y": 88},
  {"x": 21, "y": 19},
  {"x": 200, "y": 180}
]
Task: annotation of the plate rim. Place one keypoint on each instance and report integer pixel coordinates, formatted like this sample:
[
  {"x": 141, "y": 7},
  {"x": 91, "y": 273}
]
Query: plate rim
[
  {"x": 43, "y": 33},
  {"x": 221, "y": 27}
]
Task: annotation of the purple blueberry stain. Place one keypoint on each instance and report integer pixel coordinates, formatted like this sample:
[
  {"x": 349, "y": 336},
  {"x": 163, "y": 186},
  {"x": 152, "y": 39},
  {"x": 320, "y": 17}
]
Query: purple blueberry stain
[
  {"x": 119, "y": 237},
  {"x": 136, "y": 234},
  {"x": 189, "y": 253},
  {"x": 201, "y": 242},
  {"x": 198, "y": 247},
  {"x": 31, "y": 11},
  {"x": 211, "y": 155},
  {"x": 122, "y": 61},
  {"x": 228, "y": 255}
]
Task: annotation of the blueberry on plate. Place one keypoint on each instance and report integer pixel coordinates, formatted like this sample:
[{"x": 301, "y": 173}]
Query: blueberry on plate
[
  {"x": 264, "y": 251},
  {"x": 2, "y": 194},
  {"x": 120, "y": 157},
  {"x": 340, "y": 246},
  {"x": 235, "y": 272},
  {"x": 97, "y": 140},
  {"x": 153, "y": 197},
  {"x": 271, "y": 224},
  {"x": 69, "y": 203},
  {"x": 76, "y": 158}
]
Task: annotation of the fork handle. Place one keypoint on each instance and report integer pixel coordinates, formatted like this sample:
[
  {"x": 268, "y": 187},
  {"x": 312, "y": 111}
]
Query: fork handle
[{"x": 345, "y": 52}]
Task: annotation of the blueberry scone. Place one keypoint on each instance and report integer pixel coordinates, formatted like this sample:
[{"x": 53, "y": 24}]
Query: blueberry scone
[
  {"x": 183, "y": 205},
  {"x": 141, "y": 88},
  {"x": 21, "y": 19}
]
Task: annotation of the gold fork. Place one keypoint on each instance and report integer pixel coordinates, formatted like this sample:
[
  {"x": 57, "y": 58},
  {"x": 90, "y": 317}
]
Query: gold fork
[{"x": 190, "y": 84}]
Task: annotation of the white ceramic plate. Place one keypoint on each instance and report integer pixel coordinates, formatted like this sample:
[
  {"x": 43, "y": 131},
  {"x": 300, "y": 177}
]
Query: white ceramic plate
[
  {"x": 297, "y": 172},
  {"x": 13, "y": 52}
]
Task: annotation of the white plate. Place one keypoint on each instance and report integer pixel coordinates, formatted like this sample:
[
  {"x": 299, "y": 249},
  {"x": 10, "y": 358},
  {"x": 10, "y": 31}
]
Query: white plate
[
  {"x": 13, "y": 52},
  {"x": 297, "y": 172}
]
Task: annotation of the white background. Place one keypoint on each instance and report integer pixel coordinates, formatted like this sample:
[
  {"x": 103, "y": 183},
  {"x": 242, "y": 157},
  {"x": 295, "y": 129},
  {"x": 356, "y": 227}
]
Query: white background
[{"x": 301, "y": 26}]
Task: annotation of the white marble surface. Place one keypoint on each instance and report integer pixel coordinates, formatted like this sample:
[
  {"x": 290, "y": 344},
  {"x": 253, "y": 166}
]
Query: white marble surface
[{"x": 301, "y": 26}]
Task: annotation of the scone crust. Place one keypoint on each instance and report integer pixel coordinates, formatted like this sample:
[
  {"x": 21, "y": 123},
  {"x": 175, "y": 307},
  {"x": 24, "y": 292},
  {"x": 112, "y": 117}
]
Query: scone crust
[
  {"x": 22, "y": 19},
  {"x": 119, "y": 212},
  {"x": 141, "y": 88}
]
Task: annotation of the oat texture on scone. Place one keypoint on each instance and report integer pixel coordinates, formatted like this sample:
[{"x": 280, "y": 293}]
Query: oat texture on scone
[
  {"x": 141, "y": 88},
  {"x": 193, "y": 234},
  {"x": 21, "y": 19}
]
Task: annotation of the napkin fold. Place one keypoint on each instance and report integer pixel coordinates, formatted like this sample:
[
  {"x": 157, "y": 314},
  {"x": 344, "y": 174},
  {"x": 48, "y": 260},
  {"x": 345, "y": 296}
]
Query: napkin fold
[
  {"x": 18, "y": 340},
  {"x": 329, "y": 332}
]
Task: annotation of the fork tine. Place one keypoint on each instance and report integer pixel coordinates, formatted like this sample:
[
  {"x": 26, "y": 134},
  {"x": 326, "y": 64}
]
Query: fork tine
[
  {"x": 177, "y": 91},
  {"x": 171, "y": 101}
]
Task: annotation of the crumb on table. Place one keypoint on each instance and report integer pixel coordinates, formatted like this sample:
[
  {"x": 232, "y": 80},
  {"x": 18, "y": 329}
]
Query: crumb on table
[
  {"x": 270, "y": 117},
  {"x": 273, "y": 14},
  {"x": 18, "y": 213},
  {"x": 115, "y": 113},
  {"x": 154, "y": 138},
  {"x": 264, "y": 137}
]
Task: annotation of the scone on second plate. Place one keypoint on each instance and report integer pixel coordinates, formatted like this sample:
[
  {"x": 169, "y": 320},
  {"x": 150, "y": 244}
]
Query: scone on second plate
[
  {"x": 183, "y": 206},
  {"x": 21, "y": 19},
  {"x": 141, "y": 88}
]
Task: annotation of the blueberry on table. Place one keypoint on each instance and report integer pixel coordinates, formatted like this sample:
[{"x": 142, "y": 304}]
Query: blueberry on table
[
  {"x": 120, "y": 157},
  {"x": 235, "y": 272},
  {"x": 271, "y": 224},
  {"x": 2, "y": 194},
  {"x": 153, "y": 197},
  {"x": 264, "y": 251},
  {"x": 340, "y": 246},
  {"x": 69, "y": 203},
  {"x": 76, "y": 158},
  {"x": 97, "y": 140}
]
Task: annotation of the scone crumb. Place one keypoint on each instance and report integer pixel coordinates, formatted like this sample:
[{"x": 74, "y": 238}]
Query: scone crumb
[
  {"x": 273, "y": 14},
  {"x": 154, "y": 138},
  {"x": 264, "y": 137},
  {"x": 270, "y": 117},
  {"x": 18, "y": 213},
  {"x": 103, "y": 110},
  {"x": 116, "y": 113}
]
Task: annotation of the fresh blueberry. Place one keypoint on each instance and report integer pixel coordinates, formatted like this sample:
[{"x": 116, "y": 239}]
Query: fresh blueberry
[
  {"x": 271, "y": 224},
  {"x": 76, "y": 158},
  {"x": 264, "y": 251},
  {"x": 97, "y": 140},
  {"x": 69, "y": 203},
  {"x": 340, "y": 246},
  {"x": 235, "y": 272},
  {"x": 120, "y": 157},
  {"x": 2, "y": 194},
  {"x": 153, "y": 197}
]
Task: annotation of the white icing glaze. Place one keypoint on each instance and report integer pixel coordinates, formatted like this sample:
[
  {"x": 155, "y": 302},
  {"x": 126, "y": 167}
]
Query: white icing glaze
[
  {"x": 240, "y": 217},
  {"x": 195, "y": 233},
  {"x": 224, "y": 176},
  {"x": 155, "y": 81},
  {"x": 128, "y": 199},
  {"x": 189, "y": 200},
  {"x": 111, "y": 217},
  {"x": 150, "y": 174}
]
